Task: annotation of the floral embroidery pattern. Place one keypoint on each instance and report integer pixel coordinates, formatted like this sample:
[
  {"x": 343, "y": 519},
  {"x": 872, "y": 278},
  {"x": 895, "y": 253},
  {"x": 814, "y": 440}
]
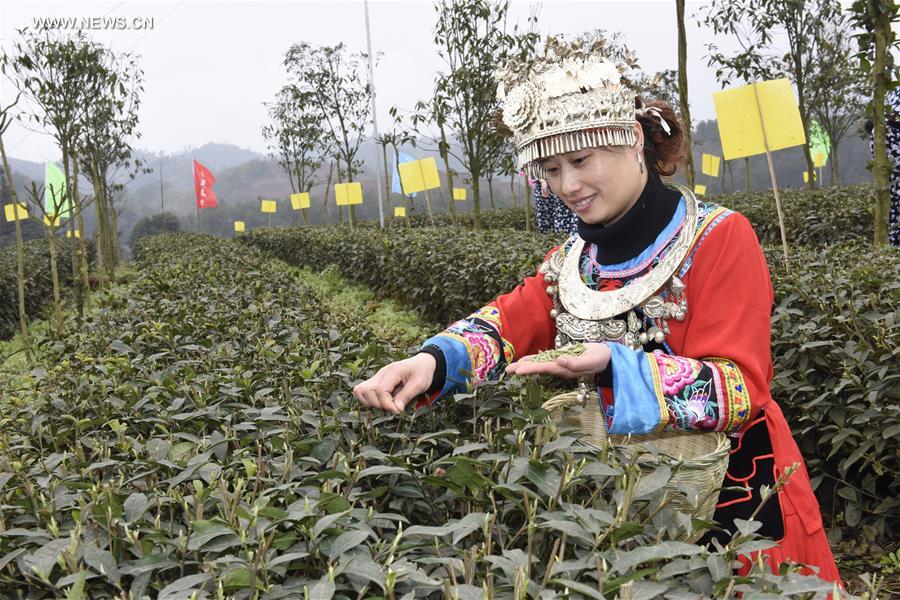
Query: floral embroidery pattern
[
  {"x": 676, "y": 372},
  {"x": 487, "y": 350},
  {"x": 699, "y": 395}
]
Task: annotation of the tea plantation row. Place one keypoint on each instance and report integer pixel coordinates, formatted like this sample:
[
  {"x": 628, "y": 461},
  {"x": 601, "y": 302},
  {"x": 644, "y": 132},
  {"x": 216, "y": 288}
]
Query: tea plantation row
[
  {"x": 835, "y": 326},
  {"x": 198, "y": 438}
]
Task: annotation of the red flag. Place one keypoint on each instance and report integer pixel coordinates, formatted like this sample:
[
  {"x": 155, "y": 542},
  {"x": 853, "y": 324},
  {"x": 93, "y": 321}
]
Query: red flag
[{"x": 203, "y": 186}]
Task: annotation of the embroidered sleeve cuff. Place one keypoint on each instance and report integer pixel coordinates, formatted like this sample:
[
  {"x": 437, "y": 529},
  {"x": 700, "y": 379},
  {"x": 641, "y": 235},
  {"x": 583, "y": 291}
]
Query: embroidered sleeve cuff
[{"x": 457, "y": 364}]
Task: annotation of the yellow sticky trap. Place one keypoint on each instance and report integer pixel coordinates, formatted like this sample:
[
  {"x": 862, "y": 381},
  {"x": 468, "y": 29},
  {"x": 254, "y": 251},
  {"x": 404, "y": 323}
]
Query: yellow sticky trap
[
  {"x": 740, "y": 127},
  {"x": 399, "y": 211},
  {"x": 300, "y": 200},
  {"x": 269, "y": 206},
  {"x": 819, "y": 159},
  {"x": 239, "y": 226},
  {"x": 354, "y": 192},
  {"x": 419, "y": 175},
  {"x": 430, "y": 173},
  {"x": 699, "y": 189},
  {"x": 69, "y": 233},
  {"x": 411, "y": 177},
  {"x": 54, "y": 223},
  {"x": 806, "y": 176},
  {"x": 711, "y": 165},
  {"x": 340, "y": 194},
  {"x": 459, "y": 194},
  {"x": 346, "y": 194},
  {"x": 15, "y": 212}
]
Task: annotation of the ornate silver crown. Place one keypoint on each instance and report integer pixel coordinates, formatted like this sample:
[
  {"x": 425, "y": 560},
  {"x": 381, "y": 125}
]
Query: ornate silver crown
[{"x": 574, "y": 96}]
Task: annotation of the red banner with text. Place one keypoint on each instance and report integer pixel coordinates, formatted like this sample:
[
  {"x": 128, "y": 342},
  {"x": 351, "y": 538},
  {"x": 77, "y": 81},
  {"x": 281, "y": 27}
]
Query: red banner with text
[{"x": 203, "y": 184}]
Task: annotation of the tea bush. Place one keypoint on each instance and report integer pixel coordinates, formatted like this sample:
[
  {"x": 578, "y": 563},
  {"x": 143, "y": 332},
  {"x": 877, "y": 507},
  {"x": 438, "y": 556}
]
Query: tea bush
[
  {"x": 836, "y": 347},
  {"x": 199, "y": 439},
  {"x": 38, "y": 280},
  {"x": 822, "y": 216},
  {"x": 835, "y": 334}
]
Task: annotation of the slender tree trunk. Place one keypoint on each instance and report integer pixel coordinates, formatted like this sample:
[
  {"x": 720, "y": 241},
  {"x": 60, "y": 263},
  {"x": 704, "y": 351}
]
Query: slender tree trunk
[
  {"x": 351, "y": 209},
  {"x": 476, "y": 201},
  {"x": 747, "y": 170},
  {"x": 512, "y": 190},
  {"x": 491, "y": 191},
  {"x": 73, "y": 247},
  {"x": 104, "y": 245},
  {"x": 114, "y": 226},
  {"x": 325, "y": 206},
  {"x": 54, "y": 272},
  {"x": 107, "y": 229},
  {"x": 20, "y": 275},
  {"x": 835, "y": 165},
  {"x": 810, "y": 166},
  {"x": 882, "y": 167},
  {"x": 387, "y": 185},
  {"x": 445, "y": 156},
  {"x": 80, "y": 241},
  {"x": 683, "y": 93},
  {"x": 20, "y": 253}
]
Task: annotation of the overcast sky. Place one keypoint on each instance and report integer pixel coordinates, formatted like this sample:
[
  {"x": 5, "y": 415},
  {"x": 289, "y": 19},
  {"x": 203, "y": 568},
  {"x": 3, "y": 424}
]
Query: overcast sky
[{"x": 209, "y": 66}]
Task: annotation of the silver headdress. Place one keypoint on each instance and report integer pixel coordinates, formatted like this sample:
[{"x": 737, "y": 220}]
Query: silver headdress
[{"x": 574, "y": 96}]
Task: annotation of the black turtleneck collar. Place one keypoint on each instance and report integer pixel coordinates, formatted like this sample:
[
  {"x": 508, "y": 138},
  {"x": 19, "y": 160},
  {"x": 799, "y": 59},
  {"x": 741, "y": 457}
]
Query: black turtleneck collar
[{"x": 638, "y": 228}]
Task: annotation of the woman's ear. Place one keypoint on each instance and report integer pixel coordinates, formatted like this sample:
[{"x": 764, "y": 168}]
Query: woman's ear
[{"x": 638, "y": 136}]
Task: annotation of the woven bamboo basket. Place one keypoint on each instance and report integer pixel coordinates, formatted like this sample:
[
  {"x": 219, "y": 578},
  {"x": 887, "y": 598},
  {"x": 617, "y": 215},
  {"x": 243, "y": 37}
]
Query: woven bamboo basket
[{"x": 697, "y": 459}]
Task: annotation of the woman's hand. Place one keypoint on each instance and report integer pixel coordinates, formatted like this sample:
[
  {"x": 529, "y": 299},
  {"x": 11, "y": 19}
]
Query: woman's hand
[
  {"x": 395, "y": 384},
  {"x": 594, "y": 360}
]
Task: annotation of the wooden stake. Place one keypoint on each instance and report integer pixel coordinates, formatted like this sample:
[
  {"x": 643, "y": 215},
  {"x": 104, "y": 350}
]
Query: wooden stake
[
  {"x": 762, "y": 124},
  {"x": 428, "y": 202}
]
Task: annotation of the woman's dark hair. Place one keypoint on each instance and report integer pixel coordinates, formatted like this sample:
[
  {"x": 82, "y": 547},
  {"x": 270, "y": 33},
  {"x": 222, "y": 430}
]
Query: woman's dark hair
[{"x": 661, "y": 150}]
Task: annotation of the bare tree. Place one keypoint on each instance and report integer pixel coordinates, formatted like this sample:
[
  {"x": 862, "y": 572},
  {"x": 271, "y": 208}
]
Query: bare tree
[
  {"x": 333, "y": 79},
  {"x": 295, "y": 137},
  {"x": 104, "y": 147},
  {"x": 837, "y": 94},
  {"x": 472, "y": 39}
]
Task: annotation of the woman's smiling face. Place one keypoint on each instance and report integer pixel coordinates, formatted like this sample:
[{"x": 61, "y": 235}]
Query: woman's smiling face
[{"x": 598, "y": 184}]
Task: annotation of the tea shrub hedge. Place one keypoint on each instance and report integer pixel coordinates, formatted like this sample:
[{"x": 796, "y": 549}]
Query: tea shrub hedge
[
  {"x": 836, "y": 334},
  {"x": 199, "y": 439},
  {"x": 38, "y": 280},
  {"x": 822, "y": 216},
  {"x": 836, "y": 348}
]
